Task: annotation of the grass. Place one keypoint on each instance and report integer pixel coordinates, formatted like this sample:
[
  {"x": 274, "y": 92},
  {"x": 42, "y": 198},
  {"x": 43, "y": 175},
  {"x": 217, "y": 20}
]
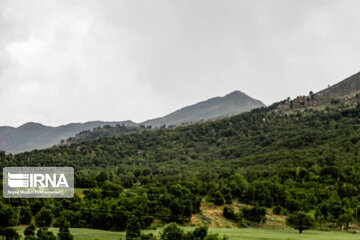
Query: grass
[
  {"x": 232, "y": 233},
  {"x": 267, "y": 234}
]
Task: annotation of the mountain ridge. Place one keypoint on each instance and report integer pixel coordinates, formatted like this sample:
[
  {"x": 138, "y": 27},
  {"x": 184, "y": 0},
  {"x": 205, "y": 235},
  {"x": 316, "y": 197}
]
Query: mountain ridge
[
  {"x": 345, "y": 87},
  {"x": 189, "y": 111},
  {"x": 343, "y": 93},
  {"x": 231, "y": 104},
  {"x": 32, "y": 135}
]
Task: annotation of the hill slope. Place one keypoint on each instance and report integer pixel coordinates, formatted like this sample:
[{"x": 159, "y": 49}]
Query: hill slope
[
  {"x": 214, "y": 108},
  {"x": 303, "y": 161},
  {"x": 299, "y": 161},
  {"x": 343, "y": 88},
  {"x": 343, "y": 94},
  {"x": 100, "y": 132},
  {"x": 37, "y": 136}
]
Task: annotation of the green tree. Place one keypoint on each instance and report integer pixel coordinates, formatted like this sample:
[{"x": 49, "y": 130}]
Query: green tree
[
  {"x": 64, "y": 232},
  {"x": 102, "y": 177},
  {"x": 218, "y": 198},
  {"x": 200, "y": 233},
  {"x": 11, "y": 234},
  {"x": 300, "y": 221},
  {"x": 172, "y": 232},
  {"x": 256, "y": 214},
  {"x": 278, "y": 210},
  {"x": 7, "y": 217},
  {"x": 44, "y": 218},
  {"x": 44, "y": 234},
  {"x": 229, "y": 213},
  {"x": 25, "y": 215},
  {"x": 133, "y": 228},
  {"x": 30, "y": 230},
  {"x": 345, "y": 219}
]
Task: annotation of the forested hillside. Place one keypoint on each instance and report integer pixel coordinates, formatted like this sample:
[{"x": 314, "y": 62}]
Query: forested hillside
[
  {"x": 306, "y": 159},
  {"x": 100, "y": 132}
]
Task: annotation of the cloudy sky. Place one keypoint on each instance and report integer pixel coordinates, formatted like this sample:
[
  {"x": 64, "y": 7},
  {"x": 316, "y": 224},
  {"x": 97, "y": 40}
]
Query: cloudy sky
[{"x": 75, "y": 61}]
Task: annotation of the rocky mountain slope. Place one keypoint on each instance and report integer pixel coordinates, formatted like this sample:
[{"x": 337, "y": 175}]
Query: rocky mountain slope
[
  {"x": 214, "y": 108},
  {"x": 343, "y": 88}
]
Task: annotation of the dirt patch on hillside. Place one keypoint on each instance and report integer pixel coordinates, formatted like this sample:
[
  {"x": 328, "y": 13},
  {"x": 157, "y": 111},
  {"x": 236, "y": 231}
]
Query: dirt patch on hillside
[{"x": 212, "y": 216}]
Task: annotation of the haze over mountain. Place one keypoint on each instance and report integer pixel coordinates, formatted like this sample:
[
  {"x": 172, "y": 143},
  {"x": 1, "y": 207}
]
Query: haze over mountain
[
  {"x": 213, "y": 108},
  {"x": 37, "y": 136}
]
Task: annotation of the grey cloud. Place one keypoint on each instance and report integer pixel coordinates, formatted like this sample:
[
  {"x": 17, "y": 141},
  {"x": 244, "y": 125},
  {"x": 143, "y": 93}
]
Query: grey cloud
[{"x": 66, "y": 61}]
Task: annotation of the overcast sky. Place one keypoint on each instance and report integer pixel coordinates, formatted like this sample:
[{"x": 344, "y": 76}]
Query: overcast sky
[{"x": 76, "y": 61}]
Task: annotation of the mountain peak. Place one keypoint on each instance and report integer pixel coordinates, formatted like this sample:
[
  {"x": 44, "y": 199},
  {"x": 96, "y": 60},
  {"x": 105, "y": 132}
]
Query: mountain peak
[
  {"x": 31, "y": 125},
  {"x": 236, "y": 92},
  {"x": 233, "y": 103}
]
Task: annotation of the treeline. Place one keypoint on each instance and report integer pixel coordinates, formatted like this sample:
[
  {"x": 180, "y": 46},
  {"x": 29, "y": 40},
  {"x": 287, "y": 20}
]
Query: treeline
[{"x": 104, "y": 131}]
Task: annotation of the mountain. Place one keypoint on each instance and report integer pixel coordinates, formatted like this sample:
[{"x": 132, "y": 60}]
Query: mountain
[
  {"x": 37, "y": 136},
  {"x": 348, "y": 86},
  {"x": 344, "y": 93},
  {"x": 214, "y": 108},
  {"x": 32, "y": 136}
]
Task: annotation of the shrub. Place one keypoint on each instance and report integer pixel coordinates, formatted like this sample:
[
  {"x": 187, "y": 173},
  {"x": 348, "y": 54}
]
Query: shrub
[
  {"x": 278, "y": 210},
  {"x": 256, "y": 214},
  {"x": 218, "y": 198},
  {"x": 200, "y": 233},
  {"x": 229, "y": 213},
  {"x": 172, "y": 232}
]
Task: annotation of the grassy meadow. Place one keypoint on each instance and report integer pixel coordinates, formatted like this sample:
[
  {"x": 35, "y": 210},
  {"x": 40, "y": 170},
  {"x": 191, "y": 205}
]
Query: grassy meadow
[{"x": 232, "y": 233}]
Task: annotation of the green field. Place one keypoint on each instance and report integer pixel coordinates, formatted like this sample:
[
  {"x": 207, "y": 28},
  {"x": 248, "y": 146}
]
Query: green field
[{"x": 233, "y": 234}]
